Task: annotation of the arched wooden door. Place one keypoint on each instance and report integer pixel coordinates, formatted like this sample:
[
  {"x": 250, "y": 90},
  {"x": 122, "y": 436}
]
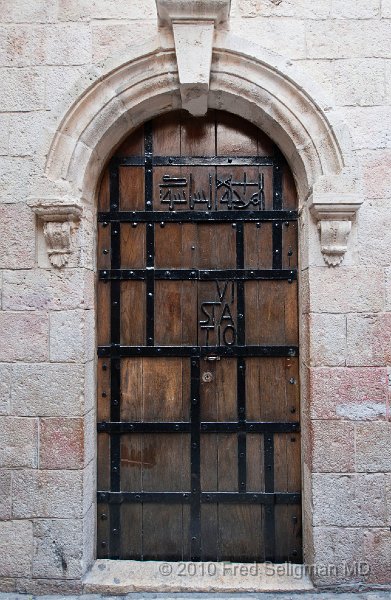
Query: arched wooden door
[{"x": 198, "y": 400}]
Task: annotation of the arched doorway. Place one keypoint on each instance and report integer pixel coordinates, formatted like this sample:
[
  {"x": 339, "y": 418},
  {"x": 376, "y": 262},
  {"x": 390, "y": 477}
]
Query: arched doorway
[{"x": 198, "y": 399}]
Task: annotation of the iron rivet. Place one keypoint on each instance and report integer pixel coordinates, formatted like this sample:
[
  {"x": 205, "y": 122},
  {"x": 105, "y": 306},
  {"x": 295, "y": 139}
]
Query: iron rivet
[
  {"x": 241, "y": 410},
  {"x": 134, "y": 224},
  {"x": 194, "y": 444},
  {"x": 193, "y": 247},
  {"x": 242, "y": 483},
  {"x": 176, "y": 427},
  {"x": 275, "y": 224},
  {"x": 277, "y": 168},
  {"x": 293, "y": 410},
  {"x": 286, "y": 223},
  {"x": 115, "y": 531},
  {"x": 131, "y": 273},
  {"x": 104, "y": 394},
  {"x": 115, "y": 402},
  {"x": 115, "y": 205},
  {"x": 294, "y": 519},
  {"x": 277, "y": 194},
  {"x": 251, "y": 427},
  {"x": 115, "y": 231},
  {"x": 294, "y": 552},
  {"x": 149, "y": 203},
  {"x": 115, "y": 469},
  {"x": 159, "y": 350},
  {"x": 251, "y": 272},
  {"x": 105, "y": 224},
  {"x": 104, "y": 367},
  {"x": 241, "y": 454},
  {"x": 290, "y": 252},
  {"x": 292, "y": 380},
  {"x": 194, "y": 400},
  {"x": 150, "y": 339},
  {"x": 277, "y": 251},
  {"x": 132, "y": 427},
  {"x": 289, "y": 280},
  {"x": 258, "y": 225},
  {"x": 230, "y": 160},
  {"x": 269, "y": 467},
  {"x": 103, "y": 516},
  {"x": 137, "y": 496},
  {"x": 168, "y": 273},
  {"x": 105, "y": 251},
  {"x": 150, "y": 294},
  {"x": 234, "y": 225},
  {"x": 162, "y": 224},
  {"x": 194, "y": 538},
  {"x": 150, "y": 225},
  {"x": 103, "y": 544},
  {"x": 104, "y": 272},
  {"x": 170, "y": 160}
]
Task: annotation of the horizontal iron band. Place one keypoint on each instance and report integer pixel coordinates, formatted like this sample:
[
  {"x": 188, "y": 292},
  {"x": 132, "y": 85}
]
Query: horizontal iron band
[
  {"x": 205, "y": 497},
  {"x": 118, "y": 351},
  {"x": 205, "y": 427},
  {"x": 196, "y": 161},
  {"x": 198, "y": 275},
  {"x": 193, "y": 216}
]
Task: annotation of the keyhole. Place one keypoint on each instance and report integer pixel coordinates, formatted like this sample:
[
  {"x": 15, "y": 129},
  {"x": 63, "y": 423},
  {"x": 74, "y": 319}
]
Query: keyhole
[{"x": 207, "y": 377}]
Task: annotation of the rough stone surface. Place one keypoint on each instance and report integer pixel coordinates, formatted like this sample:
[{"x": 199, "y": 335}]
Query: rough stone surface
[
  {"x": 368, "y": 339},
  {"x": 327, "y": 340},
  {"x": 19, "y": 442},
  {"x": 5, "y": 494},
  {"x": 47, "y": 390},
  {"x": 43, "y": 289},
  {"x": 373, "y": 447},
  {"x": 17, "y": 244},
  {"x": 57, "y": 548},
  {"x": 46, "y": 494},
  {"x": 61, "y": 443},
  {"x": 72, "y": 336},
  {"x": 16, "y": 545},
  {"x": 357, "y": 394},
  {"x": 365, "y": 287},
  {"x": 333, "y": 447},
  {"x": 349, "y": 500},
  {"x": 24, "y": 336},
  {"x": 5, "y": 389}
]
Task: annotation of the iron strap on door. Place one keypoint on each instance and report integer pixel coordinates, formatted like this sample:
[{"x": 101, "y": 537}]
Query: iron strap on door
[{"x": 214, "y": 211}]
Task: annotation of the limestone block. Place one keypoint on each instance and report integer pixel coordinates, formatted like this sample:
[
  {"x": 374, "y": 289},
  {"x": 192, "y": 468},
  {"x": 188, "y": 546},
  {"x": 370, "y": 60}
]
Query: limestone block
[
  {"x": 110, "y": 38},
  {"x": 376, "y": 175},
  {"x": 89, "y": 437},
  {"x": 272, "y": 31},
  {"x": 358, "y": 393},
  {"x": 17, "y": 244},
  {"x": 47, "y": 494},
  {"x": 373, "y": 447},
  {"x": 377, "y": 552},
  {"x": 332, "y": 447},
  {"x": 20, "y": 11},
  {"x": 15, "y": 178},
  {"x": 89, "y": 486},
  {"x": 368, "y": 339},
  {"x": 19, "y": 442},
  {"x": 370, "y": 127},
  {"x": 321, "y": 71},
  {"x": 349, "y": 500},
  {"x": 374, "y": 232},
  {"x": 346, "y": 289},
  {"x": 16, "y": 548},
  {"x": 5, "y": 495},
  {"x": 4, "y": 133},
  {"x": 360, "y": 82},
  {"x": 26, "y": 132},
  {"x": 5, "y": 389},
  {"x": 388, "y": 288},
  {"x": 24, "y": 336},
  {"x": 348, "y": 39},
  {"x": 306, "y": 9},
  {"x": 52, "y": 44},
  {"x": 59, "y": 81},
  {"x": 61, "y": 443},
  {"x": 42, "y": 289},
  {"x": 355, "y": 9},
  {"x": 388, "y": 497},
  {"x": 72, "y": 335},
  {"x": 48, "y": 390},
  {"x": 75, "y": 10},
  {"x": 22, "y": 89},
  {"x": 326, "y": 341},
  {"x": 57, "y": 548},
  {"x": 89, "y": 386},
  {"x": 386, "y": 9},
  {"x": 38, "y": 587},
  {"x": 89, "y": 538},
  {"x": 338, "y": 547}
]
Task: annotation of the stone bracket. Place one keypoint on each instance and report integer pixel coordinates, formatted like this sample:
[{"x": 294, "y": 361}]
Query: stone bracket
[
  {"x": 334, "y": 203},
  {"x": 193, "y": 25},
  {"x": 59, "y": 218}
]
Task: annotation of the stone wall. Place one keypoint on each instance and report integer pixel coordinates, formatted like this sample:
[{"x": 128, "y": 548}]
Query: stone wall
[{"x": 47, "y": 422}]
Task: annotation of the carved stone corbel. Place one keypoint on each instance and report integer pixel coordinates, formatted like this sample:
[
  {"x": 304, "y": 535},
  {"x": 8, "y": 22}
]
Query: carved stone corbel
[
  {"x": 193, "y": 25},
  {"x": 59, "y": 219},
  {"x": 334, "y": 204}
]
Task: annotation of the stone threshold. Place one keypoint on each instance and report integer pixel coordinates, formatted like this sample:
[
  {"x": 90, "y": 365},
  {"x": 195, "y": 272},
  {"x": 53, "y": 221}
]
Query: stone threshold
[{"x": 125, "y": 576}]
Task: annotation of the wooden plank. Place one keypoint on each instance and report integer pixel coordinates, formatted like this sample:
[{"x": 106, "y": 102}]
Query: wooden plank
[
  {"x": 132, "y": 246},
  {"x": 133, "y": 317},
  {"x": 131, "y": 188}
]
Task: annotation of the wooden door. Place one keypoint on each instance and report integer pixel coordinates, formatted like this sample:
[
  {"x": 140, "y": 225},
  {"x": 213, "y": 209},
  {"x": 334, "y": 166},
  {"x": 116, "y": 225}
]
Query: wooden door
[{"x": 198, "y": 397}]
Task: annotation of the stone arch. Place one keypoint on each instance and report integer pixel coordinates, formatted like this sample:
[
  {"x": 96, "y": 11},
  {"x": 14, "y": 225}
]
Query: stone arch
[{"x": 245, "y": 80}]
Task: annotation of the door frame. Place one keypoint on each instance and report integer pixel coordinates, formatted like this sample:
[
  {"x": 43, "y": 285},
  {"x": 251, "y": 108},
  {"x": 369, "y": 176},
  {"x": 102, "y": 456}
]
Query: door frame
[{"x": 249, "y": 82}]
